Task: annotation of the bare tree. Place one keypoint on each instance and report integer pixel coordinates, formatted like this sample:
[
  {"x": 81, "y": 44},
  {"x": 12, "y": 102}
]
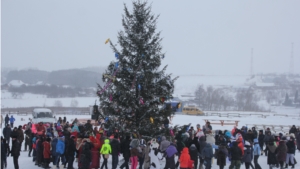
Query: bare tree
[
  {"x": 240, "y": 100},
  {"x": 216, "y": 99},
  {"x": 200, "y": 97},
  {"x": 58, "y": 103},
  {"x": 74, "y": 103},
  {"x": 16, "y": 95}
]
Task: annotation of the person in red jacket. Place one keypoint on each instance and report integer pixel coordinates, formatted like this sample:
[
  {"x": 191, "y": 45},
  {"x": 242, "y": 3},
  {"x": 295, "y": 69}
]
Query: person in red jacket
[
  {"x": 40, "y": 128},
  {"x": 47, "y": 152},
  {"x": 184, "y": 158},
  {"x": 239, "y": 140}
]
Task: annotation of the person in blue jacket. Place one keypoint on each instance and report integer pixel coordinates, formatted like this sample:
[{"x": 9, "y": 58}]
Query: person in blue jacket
[
  {"x": 12, "y": 120},
  {"x": 60, "y": 149},
  {"x": 256, "y": 153}
]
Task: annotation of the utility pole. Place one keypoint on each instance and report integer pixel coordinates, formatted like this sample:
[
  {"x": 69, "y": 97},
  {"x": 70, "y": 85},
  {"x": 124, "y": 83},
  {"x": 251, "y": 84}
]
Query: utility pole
[
  {"x": 292, "y": 60},
  {"x": 251, "y": 64}
]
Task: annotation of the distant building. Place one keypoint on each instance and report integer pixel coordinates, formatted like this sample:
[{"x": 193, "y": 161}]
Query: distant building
[{"x": 262, "y": 85}]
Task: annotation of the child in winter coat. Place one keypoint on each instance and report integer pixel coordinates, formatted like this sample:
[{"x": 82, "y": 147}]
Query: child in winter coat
[
  {"x": 261, "y": 142},
  {"x": 134, "y": 152},
  {"x": 12, "y": 120},
  {"x": 240, "y": 140},
  {"x": 194, "y": 154},
  {"x": 221, "y": 154},
  {"x": 256, "y": 152},
  {"x": 291, "y": 149},
  {"x": 46, "y": 152},
  {"x": 184, "y": 158},
  {"x": 53, "y": 149},
  {"x": 235, "y": 156},
  {"x": 281, "y": 151},
  {"x": 271, "y": 159},
  {"x": 248, "y": 154},
  {"x": 170, "y": 156},
  {"x": 85, "y": 156},
  {"x": 141, "y": 157},
  {"x": 105, "y": 151},
  {"x": 207, "y": 154}
]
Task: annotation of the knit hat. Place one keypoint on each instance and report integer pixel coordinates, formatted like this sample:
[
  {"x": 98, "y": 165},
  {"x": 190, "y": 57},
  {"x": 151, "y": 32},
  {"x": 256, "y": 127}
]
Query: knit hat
[
  {"x": 193, "y": 145},
  {"x": 134, "y": 143}
]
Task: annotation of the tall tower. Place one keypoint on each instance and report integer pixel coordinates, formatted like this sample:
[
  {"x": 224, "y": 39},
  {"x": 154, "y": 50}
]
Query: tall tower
[
  {"x": 251, "y": 64},
  {"x": 292, "y": 60}
]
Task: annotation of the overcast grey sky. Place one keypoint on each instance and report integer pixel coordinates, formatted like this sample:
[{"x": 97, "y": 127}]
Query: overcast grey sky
[{"x": 199, "y": 37}]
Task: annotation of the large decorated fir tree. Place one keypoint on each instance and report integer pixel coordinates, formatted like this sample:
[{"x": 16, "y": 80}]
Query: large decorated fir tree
[{"x": 132, "y": 99}]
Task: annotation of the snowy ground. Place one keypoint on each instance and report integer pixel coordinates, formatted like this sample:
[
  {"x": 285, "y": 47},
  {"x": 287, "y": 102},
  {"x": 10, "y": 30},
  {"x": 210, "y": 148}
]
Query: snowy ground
[
  {"x": 36, "y": 100},
  {"x": 26, "y": 162}
]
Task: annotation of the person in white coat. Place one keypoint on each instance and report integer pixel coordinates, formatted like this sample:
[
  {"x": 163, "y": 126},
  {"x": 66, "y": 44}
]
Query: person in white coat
[
  {"x": 155, "y": 155},
  {"x": 210, "y": 139}
]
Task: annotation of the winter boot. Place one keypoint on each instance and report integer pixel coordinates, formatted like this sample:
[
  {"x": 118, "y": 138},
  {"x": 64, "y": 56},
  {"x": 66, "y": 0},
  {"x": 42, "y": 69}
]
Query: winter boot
[
  {"x": 293, "y": 165},
  {"x": 286, "y": 165}
]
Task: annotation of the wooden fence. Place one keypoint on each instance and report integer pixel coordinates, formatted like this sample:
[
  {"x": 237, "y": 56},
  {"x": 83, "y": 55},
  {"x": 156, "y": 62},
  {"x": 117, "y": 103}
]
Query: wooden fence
[{"x": 245, "y": 114}]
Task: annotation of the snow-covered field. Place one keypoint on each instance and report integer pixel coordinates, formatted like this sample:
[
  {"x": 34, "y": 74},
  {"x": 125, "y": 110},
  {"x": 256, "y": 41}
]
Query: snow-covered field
[
  {"x": 26, "y": 162},
  {"x": 34, "y": 100}
]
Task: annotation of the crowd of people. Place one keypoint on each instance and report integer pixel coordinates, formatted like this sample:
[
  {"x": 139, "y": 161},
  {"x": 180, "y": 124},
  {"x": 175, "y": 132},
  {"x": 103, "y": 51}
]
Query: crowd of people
[{"x": 61, "y": 143}]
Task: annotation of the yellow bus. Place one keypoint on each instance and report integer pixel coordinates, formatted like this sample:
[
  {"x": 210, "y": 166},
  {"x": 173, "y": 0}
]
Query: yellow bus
[{"x": 189, "y": 110}]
